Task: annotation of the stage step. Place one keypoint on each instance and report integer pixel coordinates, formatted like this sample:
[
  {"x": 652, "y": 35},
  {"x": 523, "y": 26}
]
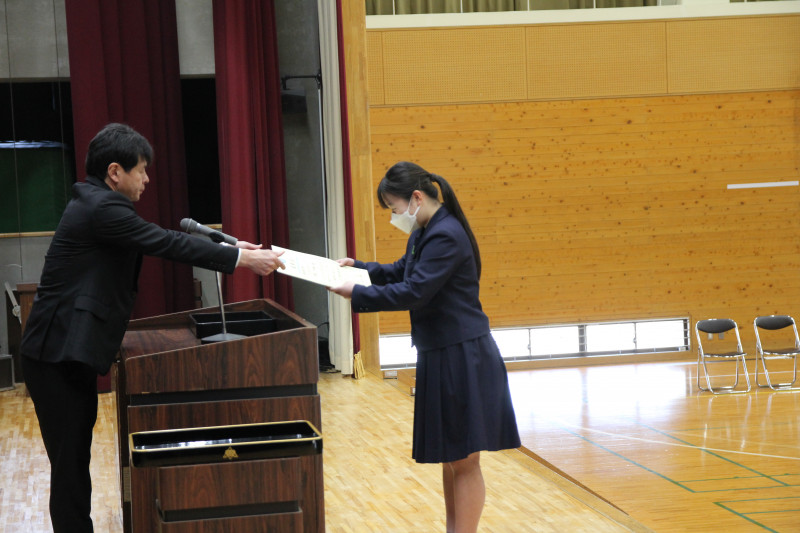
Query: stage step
[{"x": 407, "y": 380}]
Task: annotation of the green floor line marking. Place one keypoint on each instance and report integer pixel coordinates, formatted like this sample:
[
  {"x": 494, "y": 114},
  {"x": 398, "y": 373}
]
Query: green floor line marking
[
  {"x": 612, "y": 452},
  {"x": 679, "y": 484},
  {"x": 714, "y": 454},
  {"x": 662, "y": 476},
  {"x": 764, "y": 487},
  {"x": 740, "y": 515},
  {"x": 763, "y": 499},
  {"x": 719, "y": 479}
]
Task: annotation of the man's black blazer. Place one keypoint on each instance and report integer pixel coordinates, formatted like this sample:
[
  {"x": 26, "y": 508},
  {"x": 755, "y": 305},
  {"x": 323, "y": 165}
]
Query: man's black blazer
[{"x": 89, "y": 280}]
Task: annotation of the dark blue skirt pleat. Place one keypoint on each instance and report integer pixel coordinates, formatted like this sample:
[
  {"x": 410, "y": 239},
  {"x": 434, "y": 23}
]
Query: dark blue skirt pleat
[{"x": 462, "y": 403}]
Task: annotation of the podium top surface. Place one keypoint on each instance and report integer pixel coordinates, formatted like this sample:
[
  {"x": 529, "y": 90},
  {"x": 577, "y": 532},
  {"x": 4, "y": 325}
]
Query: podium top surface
[
  {"x": 28, "y": 286},
  {"x": 161, "y": 354}
]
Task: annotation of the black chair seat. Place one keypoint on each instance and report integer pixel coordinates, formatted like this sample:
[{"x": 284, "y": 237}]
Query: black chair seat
[
  {"x": 787, "y": 353},
  {"x": 726, "y": 354}
]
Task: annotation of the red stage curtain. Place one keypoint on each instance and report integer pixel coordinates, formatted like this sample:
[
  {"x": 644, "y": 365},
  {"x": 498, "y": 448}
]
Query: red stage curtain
[
  {"x": 123, "y": 57},
  {"x": 346, "y": 173},
  {"x": 252, "y": 172}
]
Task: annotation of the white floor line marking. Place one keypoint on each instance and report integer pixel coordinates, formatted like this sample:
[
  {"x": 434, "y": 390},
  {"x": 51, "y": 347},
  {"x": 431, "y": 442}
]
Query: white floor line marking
[{"x": 675, "y": 444}]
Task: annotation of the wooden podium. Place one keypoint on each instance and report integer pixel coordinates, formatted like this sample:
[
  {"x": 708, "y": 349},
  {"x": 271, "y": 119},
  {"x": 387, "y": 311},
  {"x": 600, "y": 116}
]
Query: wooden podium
[{"x": 168, "y": 380}]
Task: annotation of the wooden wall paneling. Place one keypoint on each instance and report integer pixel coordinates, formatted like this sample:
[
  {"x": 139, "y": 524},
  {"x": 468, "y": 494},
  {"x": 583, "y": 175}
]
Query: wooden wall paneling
[
  {"x": 594, "y": 60},
  {"x": 604, "y": 116},
  {"x": 354, "y": 30},
  {"x": 591, "y": 210},
  {"x": 455, "y": 64},
  {"x": 583, "y": 60},
  {"x": 375, "y": 68},
  {"x": 733, "y": 54}
]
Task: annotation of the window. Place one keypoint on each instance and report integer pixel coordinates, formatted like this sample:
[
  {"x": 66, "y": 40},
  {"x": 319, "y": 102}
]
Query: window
[
  {"x": 560, "y": 341},
  {"x": 408, "y": 7},
  {"x": 37, "y": 167},
  {"x": 396, "y": 351}
]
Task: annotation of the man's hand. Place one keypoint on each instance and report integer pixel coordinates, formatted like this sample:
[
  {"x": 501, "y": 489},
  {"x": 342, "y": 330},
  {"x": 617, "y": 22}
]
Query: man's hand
[
  {"x": 262, "y": 262},
  {"x": 244, "y": 245},
  {"x": 346, "y": 262}
]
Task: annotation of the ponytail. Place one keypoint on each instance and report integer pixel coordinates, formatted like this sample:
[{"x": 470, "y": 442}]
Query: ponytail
[
  {"x": 404, "y": 178},
  {"x": 451, "y": 203}
]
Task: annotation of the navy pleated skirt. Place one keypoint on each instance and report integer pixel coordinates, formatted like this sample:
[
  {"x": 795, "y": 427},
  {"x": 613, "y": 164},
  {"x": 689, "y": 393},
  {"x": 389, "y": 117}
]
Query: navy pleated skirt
[{"x": 462, "y": 403}]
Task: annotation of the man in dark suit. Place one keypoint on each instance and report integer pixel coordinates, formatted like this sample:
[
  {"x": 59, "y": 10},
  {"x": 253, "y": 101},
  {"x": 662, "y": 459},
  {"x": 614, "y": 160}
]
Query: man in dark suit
[{"x": 84, "y": 300}]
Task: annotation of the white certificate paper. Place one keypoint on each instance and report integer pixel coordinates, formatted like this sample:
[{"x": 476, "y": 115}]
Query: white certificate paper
[{"x": 319, "y": 270}]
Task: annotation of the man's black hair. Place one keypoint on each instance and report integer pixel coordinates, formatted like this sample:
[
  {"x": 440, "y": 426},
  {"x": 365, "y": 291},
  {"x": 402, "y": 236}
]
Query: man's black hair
[{"x": 116, "y": 143}]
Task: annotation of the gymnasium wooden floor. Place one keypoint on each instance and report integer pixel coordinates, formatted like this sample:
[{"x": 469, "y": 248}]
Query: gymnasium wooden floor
[
  {"x": 639, "y": 436},
  {"x": 371, "y": 483},
  {"x": 643, "y": 437}
]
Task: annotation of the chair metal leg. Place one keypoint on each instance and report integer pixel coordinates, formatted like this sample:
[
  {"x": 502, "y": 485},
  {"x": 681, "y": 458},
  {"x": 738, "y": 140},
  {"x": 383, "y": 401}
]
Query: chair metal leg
[
  {"x": 775, "y": 386},
  {"x": 746, "y": 373},
  {"x": 727, "y": 389}
]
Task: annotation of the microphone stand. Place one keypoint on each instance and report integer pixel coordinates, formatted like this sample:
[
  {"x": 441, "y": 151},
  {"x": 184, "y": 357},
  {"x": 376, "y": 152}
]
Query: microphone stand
[{"x": 224, "y": 336}]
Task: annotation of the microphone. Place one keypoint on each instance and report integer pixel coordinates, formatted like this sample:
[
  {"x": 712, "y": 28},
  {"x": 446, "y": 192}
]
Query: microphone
[{"x": 192, "y": 226}]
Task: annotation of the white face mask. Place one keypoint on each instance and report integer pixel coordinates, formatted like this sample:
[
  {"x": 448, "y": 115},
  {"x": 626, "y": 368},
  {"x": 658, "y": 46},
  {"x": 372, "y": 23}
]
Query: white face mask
[{"x": 406, "y": 222}]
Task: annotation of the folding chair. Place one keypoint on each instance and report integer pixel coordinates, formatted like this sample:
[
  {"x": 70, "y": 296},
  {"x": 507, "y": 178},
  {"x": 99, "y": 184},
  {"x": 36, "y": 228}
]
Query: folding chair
[
  {"x": 775, "y": 323},
  {"x": 719, "y": 326}
]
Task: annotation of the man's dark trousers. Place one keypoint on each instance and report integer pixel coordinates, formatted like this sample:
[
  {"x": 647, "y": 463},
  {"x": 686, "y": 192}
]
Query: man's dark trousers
[{"x": 65, "y": 398}]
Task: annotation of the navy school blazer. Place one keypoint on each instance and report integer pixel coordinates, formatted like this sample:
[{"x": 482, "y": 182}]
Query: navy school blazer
[
  {"x": 436, "y": 280},
  {"x": 91, "y": 270}
]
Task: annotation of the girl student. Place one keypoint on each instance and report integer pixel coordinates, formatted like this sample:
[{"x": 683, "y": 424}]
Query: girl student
[{"x": 462, "y": 403}]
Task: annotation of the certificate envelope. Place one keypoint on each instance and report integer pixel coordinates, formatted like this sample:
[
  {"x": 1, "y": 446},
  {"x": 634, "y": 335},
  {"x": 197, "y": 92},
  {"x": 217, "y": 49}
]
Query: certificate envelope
[{"x": 318, "y": 269}]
